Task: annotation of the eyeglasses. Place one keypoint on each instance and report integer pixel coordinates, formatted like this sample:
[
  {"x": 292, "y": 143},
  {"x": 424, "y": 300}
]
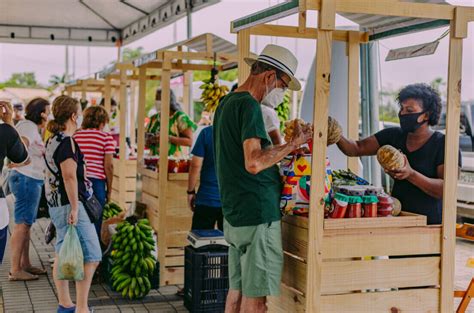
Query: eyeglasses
[{"x": 279, "y": 76}]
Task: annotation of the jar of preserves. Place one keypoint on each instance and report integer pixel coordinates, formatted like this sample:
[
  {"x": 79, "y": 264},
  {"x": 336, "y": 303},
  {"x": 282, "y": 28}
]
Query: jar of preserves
[
  {"x": 339, "y": 206},
  {"x": 385, "y": 206},
  {"x": 370, "y": 206},
  {"x": 354, "y": 207}
]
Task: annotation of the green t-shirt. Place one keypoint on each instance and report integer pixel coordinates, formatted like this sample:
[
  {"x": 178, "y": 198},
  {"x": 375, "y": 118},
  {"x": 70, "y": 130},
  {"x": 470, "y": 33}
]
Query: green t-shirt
[{"x": 247, "y": 199}]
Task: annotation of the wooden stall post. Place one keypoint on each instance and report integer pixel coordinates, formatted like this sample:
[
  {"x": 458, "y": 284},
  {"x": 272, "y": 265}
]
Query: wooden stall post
[
  {"x": 327, "y": 20},
  {"x": 107, "y": 94},
  {"x": 141, "y": 124},
  {"x": 453, "y": 114},
  {"x": 243, "y": 42},
  {"x": 187, "y": 85},
  {"x": 132, "y": 113},
  {"x": 84, "y": 90},
  {"x": 123, "y": 137},
  {"x": 163, "y": 163},
  {"x": 353, "y": 106}
]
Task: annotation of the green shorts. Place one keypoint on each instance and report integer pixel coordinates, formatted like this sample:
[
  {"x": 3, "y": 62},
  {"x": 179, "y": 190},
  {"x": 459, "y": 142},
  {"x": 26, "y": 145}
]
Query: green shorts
[{"x": 255, "y": 258}]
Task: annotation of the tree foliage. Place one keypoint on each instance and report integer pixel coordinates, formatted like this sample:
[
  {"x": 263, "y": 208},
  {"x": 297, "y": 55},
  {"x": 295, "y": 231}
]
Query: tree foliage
[
  {"x": 57, "y": 79},
  {"x": 25, "y": 79},
  {"x": 129, "y": 54}
]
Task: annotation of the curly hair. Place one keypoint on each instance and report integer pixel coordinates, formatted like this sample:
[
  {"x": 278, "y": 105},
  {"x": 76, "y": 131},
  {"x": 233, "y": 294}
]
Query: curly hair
[
  {"x": 429, "y": 97},
  {"x": 63, "y": 109},
  {"x": 94, "y": 116},
  {"x": 35, "y": 108}
]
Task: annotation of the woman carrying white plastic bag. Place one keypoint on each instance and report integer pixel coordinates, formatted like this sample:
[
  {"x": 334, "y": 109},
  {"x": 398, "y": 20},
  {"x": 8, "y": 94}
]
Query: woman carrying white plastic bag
[{"x": 65, "y": 184}]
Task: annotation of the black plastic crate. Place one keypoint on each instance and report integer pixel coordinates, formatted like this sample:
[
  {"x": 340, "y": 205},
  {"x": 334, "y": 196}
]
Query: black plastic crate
[{"x": 206, "y": 280}]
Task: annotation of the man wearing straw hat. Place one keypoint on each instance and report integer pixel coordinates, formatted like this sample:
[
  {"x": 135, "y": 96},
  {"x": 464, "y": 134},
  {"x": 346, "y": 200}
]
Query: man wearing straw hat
[{"x": 249, "y": 180}]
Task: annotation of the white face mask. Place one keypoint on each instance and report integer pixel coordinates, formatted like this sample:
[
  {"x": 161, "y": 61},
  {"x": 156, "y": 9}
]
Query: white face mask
[
  {"x": 79, "y": 121},
  {"x": 274, "y": 98}
]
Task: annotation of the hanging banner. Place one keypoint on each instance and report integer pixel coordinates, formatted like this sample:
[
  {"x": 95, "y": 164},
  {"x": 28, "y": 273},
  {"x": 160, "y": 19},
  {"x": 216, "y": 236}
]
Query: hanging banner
[{"x": 412, "y": 51}]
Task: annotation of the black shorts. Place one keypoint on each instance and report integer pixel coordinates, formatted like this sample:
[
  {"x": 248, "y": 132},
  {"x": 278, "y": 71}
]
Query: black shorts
[{"x": 206, "y": 217}]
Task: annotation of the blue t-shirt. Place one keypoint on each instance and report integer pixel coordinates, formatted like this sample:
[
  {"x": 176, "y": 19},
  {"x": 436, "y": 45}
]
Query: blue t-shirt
[{"x": 208, "y": 193}]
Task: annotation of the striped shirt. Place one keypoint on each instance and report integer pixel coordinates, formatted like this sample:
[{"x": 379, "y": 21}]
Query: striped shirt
[{"x": 95, "y": 144}]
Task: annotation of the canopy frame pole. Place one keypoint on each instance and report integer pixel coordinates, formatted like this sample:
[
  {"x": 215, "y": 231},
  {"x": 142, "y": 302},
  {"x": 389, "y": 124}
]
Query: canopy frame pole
[
  {"x": 107, "y": 94},
  {"x": 353, "y": 106},
  {"x": 453, "y": 113},
  {"x": 123, "y": 136}
]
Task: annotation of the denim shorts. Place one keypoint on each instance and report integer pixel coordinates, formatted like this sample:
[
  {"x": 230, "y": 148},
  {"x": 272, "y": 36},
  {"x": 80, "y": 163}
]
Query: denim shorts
[
  {"x": 27, "y": 192},
  {"x": 85, "y": 229}
]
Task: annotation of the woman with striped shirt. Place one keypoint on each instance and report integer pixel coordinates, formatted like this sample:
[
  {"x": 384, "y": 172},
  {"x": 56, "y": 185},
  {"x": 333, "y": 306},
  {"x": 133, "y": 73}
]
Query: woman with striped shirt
[{"x": 98, "y": 148}]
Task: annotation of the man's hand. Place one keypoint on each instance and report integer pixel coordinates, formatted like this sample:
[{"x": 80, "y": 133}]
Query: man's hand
[
  {"x": 301, "y": 135},
  {"x": 6, "y": 112},
  {"x": 403, "y": 173},
  {"x": 109, "y": 196},
  {"x": 191, "y": 201}
]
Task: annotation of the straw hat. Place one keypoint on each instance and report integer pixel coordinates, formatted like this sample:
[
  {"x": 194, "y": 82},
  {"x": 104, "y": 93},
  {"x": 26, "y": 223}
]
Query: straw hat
[{"x": 280, "y": 58}]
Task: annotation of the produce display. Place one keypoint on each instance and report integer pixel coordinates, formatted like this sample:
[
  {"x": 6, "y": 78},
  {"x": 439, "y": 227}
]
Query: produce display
[
  {"x": 133, "y": 262},
  {"x": 212, "y": 94},
  {"x": 174, "y": 165},
  {"x": 346, "y": 177},
  {"x": 390, "y": 158},
  {"x": 334, "y": 131},
  {"x": 111, "y": 210}
]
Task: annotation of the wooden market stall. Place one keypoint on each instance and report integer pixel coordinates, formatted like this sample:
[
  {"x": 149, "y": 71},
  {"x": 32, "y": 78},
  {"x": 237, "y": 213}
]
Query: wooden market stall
[
  {"x": 325, "y": 269},
  {"x": 165, "y": 193},
  {"x": 85, "y": 86},
  {"x": 123, "y": 75}
]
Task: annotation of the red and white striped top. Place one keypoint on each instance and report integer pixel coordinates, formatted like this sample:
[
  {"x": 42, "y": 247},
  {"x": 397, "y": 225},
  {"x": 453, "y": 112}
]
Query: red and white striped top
[{"x": 95, "y": 144}]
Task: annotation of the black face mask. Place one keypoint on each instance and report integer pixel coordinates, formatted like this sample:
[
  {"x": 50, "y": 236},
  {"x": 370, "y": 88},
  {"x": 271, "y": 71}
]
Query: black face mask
[{"x": 409, "y": 122}]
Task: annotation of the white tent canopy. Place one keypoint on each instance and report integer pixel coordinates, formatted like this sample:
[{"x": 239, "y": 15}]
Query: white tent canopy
[{"x": 88, "y": 22}]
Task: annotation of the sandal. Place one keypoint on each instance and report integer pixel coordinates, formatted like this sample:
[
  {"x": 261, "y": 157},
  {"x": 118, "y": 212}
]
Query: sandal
[
  {"x": 22, "y": 276},
  {"x": 35, "y": 270},
  {"x": 62, "y": 309}
]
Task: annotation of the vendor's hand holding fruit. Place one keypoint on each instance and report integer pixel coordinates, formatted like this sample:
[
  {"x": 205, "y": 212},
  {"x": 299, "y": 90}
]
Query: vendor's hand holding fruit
[
  {"x": 402, "y": 173},
  {"x": 301, "y": 134}
]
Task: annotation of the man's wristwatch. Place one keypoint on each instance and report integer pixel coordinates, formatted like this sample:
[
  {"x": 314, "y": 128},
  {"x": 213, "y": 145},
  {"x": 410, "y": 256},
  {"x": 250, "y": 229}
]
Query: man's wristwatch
[{"x": 192, "y": 192}]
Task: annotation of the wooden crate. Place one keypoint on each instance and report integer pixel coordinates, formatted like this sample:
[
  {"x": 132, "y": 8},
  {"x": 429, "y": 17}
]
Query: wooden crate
[
  {"x": 407, "y": 279},
  {"x": 178, "y": 221},
  {"x": 124, "y": 183}
]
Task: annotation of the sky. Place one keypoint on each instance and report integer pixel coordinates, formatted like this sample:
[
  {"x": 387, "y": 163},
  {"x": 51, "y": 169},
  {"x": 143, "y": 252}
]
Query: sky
[{"x": 50, "y": 60}]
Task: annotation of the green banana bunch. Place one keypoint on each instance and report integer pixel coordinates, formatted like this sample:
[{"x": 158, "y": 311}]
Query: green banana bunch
[
  {"x": 283, "y": 111},
  {"x": 133, "y": 263},
  {"x": 110, "y": 210},
  {"x": 212, "y": 94}
]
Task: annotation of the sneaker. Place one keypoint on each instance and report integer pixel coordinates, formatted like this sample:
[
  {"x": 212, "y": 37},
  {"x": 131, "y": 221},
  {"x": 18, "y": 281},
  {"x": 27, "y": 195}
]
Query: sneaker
[{"x": 62, "y": 309}]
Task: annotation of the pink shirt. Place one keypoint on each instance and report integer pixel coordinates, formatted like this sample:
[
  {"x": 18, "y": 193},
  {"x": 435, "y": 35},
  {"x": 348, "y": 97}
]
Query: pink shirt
[{"x": 95, "y": 144}]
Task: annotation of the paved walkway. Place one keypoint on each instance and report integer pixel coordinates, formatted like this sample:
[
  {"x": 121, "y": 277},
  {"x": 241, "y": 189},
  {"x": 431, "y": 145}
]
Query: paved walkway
[{"x": 40, "y": 296}]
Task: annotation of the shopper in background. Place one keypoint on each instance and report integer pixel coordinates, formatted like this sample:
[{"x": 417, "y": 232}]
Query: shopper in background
[
  {"x": 14, "y": 149},
  {"x": 98, "y": 148},
  {"x": 180, "y": 128},
  {"x": 26, "y": 182},
  {"x": 270, "y": 116},
  {"x": 206, "y": 204},
  {"x": 18, "y": 114},
  {"x": 66, "y": 183},
  {"x": 249, "y": 181}
]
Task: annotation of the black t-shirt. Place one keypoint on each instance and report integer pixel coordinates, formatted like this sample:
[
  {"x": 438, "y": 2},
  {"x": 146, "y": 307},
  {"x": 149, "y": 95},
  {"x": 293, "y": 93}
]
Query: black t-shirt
[
  {"x": 58, "y": 149},
  {"x": 425, "y": 160},
  {"x": 11, "y": 147}
]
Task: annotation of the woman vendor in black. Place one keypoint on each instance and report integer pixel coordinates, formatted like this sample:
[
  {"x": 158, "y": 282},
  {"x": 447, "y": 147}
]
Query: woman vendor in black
[{"x": 419, "y": 184}]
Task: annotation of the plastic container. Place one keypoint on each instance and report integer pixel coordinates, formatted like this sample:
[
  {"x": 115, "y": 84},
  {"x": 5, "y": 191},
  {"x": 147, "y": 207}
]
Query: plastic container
[
  {"x": 373, "y": 191},
  {"x": 354, "y": 208},
  {"x": 370, "y": 206},
  {"x": 385, "y": 205},
  {"x": 206, "y": 279},
  {"x": 339, "y": 206}
]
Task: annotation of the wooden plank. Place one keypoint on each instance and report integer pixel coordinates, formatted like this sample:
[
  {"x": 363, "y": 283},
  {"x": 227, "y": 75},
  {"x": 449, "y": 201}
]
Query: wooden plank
[
  {"x": 123, "y": 197},
  {"x": 451, "y": 170},
  {"x": 460, "y": 22},
  {"x": 406, "y": 301},
  {"x": 130, "y": 184},
  {"x": 163, "y": 162},
  {"x": 402, "y": 9},
  {"x": 84, "y": 90},
  {"x": 178, "y": 176},
  {"x": 288, "y": 301},
  {"x": 302, "y": 17},
  {"x": 150, "y": 186},
  {"x": 326, "y": 20},
  {"x": 380, "y": 242},
  {"x": 130, "y": 167},
  {"x": 178, "y": 223},
  {"x": 178, "y": 239},
  {"x": 375, "y": 222},
  {"x": 353, "y": 106},
  {"x": 209, "y": 44},
  {"x": 132, "y": 121},
  {"x": 348, "y": 276},
  {"x": 147, "y": 173},
  {"x": 316, "y": 217},
  {"x": 107, "y": 95},
  {"x": 174, "y": 261},
  {"x": 172, "y": 276},
  {"x": 243, "y": 43},
  {"x": 352, "y": 243},
  {"x": 187, "y": 83},
  {"x": 308, "y": 33}
]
